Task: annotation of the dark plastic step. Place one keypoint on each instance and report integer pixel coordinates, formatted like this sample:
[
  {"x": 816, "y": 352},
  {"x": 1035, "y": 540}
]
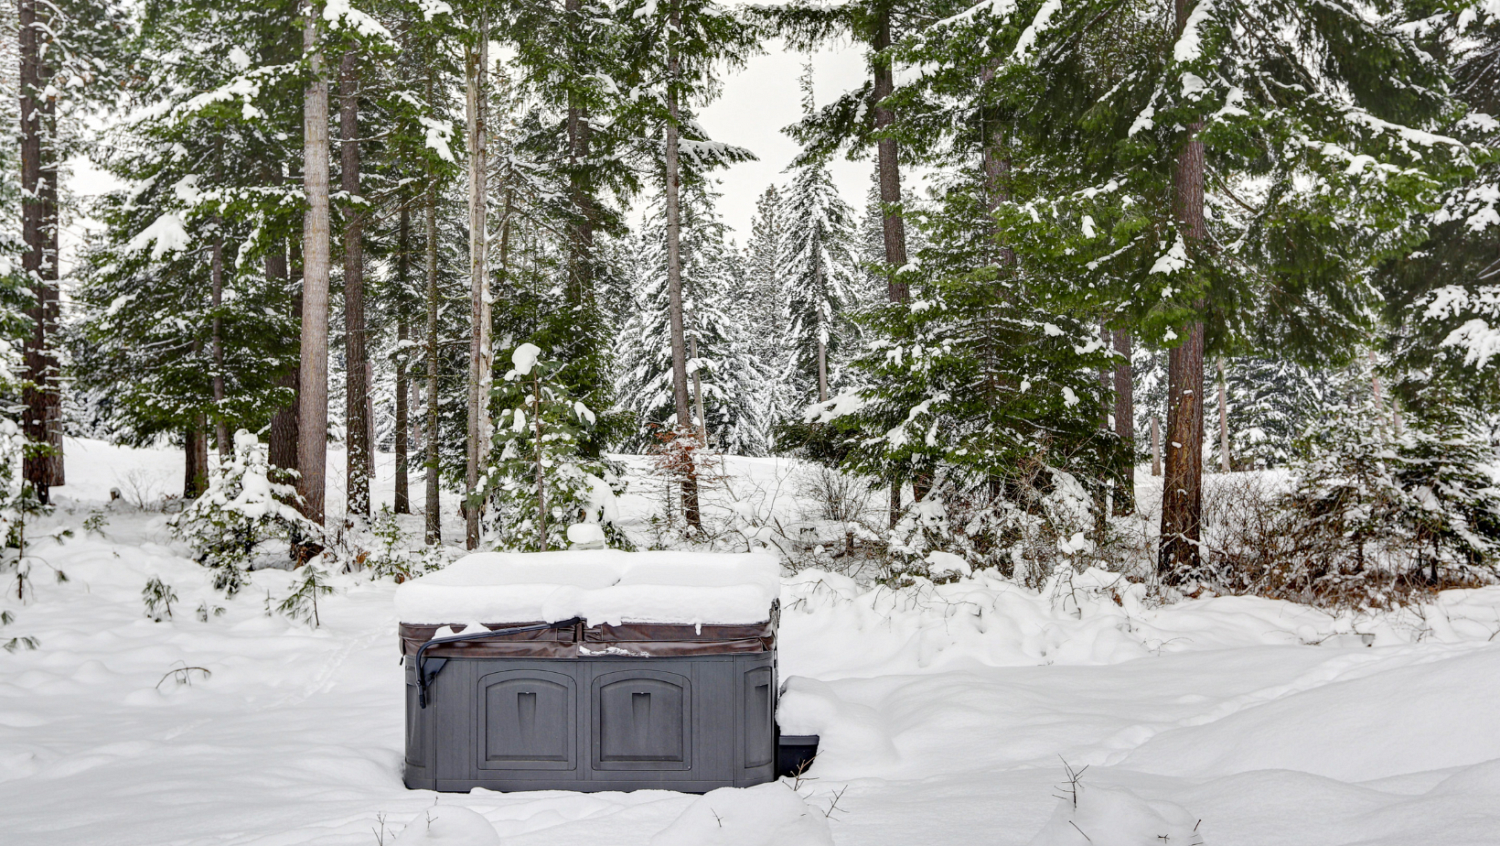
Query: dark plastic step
[{"x": 795, "y": 753}]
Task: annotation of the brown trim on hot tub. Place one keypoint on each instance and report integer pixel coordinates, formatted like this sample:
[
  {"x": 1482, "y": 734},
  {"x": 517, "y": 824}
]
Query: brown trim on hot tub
[{"x": 628, "y": 639}]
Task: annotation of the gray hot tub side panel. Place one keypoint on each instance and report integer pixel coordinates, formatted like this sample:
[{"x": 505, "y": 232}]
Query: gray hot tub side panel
[{"x": 599, "y": 723}]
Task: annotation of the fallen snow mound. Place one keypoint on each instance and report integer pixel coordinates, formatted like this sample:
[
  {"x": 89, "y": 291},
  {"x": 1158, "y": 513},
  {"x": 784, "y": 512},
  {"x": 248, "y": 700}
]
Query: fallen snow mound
[
  {"x": 601, "y": 586},
  {"x": 1090, "y": 815},
  {"x": 767, "y": 815},
  {"x": 833, "y": 627},
  {"x": 448, "y": 825}
]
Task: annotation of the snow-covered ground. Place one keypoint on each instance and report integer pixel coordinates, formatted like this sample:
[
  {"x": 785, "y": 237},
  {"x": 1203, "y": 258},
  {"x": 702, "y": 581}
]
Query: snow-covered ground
[{"x": 948, "y": 714}]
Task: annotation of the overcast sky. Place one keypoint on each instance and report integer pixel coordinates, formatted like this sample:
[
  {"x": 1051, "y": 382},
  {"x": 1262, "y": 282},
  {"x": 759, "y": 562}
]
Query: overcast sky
[{"x": 761, "y": 99}]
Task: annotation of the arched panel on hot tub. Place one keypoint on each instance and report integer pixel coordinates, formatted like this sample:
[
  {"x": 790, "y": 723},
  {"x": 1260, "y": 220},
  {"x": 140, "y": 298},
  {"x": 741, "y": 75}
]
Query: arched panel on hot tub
[
  {"x": 526, "y": 720},
  {"x": 642, "y": 720}
]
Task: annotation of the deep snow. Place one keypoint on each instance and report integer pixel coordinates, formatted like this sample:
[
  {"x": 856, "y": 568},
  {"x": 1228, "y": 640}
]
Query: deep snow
[{"x": 947, "y": 712}]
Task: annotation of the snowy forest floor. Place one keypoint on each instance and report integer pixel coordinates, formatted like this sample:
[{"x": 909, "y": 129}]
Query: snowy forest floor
[{"x": 947, "y": 712}]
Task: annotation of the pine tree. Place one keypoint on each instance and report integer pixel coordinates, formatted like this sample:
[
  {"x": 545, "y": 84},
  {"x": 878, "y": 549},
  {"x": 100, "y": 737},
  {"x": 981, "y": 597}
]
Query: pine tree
[
  {"x": 729, "y": 376},
  {"x": 539, "y": 481},
  {"x": 241, "y": 509},
  {"x": 816, "y": 270},
  {"x": 569, "y": 56},
  {"x": 68, "y": 54},
  {"x": 1200, "y": 205},
  {"x": 1442, "y": 297},
  {"x": 180, "y": 324},
  {"x": 675, "y": 51}
]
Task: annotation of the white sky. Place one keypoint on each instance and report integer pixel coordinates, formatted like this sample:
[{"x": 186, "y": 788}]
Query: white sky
[{"x": 757, "y": 103}]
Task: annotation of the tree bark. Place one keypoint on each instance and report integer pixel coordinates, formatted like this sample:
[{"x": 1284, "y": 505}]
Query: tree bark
[
  {"x": 1155, "y": 445},
  {"x": 580, "y": 287},
  {"x": 477, "y": 58},
  {"x": 51, "y": 291},
  {"x": 402, "y": 504},
  {"x": 282, "y": 451},
  {"x": 674, "y": 279},
  {"x": 1182, "y": 489},
  {"x": 1125, "y": 421},
  {"x": 370, "y": 418},
  {"x": 698, "y": 394},
  {"x": 216, "y": 283},
  {"x": 1225, "y": 463},
  {"x": 541, "y": 478},
  {"x": 887, "y": 154},
  {"x": 822, "y": 370},
  {"x": 195, "y": 453},
  {"x": 1107, "y": 379},
  {"x": 312, "y": 416},
  {"x": 356, "y": 372},
  {"x": 42, "y": 418},
  {"x": 433, "y": 510},
  {"x": 888, "y": 169},
  {"x": 356, "y": 382}
]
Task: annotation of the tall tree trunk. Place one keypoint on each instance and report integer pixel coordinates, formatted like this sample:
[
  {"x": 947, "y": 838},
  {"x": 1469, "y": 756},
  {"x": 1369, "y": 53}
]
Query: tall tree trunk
[
  {"x": 477, "y": 60},
  {"x": 312, "y": 416},
  {"x": 541, "y": 478},
  {"x": 1182, "y": 489},
  {"x": 1224, "y": 460},
  {"x": 356, "y": 382},
  {"x": 402, "y": 497},
  {"x": 698, "y": 394},
  {"x": 887, "y": 152},
  {"x": 1125, "y": 421},
  {"x": 282, "y": 451},
  {"x": 1107, "y": 379},
  {"x": 1155, "y": 445},
  {"x": 52, "y": 304},
  {"x": 370, "y": 419},
  {"x": 216, "y": 282},
  {"x": 580, "y": 287},
  {"x": 195, "y": 453},
  {"x": 433, "y": 510},
  {"x": 674, "y": 279},
  {"x": 822, "y": 370},
  {"x": 41, "y": 469},
  {"x": 888, "y": 165},
  {"x": 34, "y": 421}
]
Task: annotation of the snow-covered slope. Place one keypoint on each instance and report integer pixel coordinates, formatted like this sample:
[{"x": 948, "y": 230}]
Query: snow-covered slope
[{"x": 948, "y": 715}]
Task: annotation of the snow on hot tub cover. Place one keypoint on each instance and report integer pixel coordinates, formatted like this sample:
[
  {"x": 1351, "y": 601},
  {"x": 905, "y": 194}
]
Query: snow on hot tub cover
[{"x": 601, "y": 586}]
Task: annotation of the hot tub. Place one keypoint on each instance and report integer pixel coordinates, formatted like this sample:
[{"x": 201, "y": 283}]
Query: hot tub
[{"x": 594, "y": 670}]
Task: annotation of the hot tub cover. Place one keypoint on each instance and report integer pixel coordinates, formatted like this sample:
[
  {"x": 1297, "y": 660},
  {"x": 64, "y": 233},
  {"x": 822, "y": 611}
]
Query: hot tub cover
[{"x": 603, "y": 587}]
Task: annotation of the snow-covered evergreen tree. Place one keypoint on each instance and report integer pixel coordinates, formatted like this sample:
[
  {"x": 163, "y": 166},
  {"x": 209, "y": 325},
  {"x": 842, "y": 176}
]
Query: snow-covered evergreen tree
[
  {"x": 1273, "y": 403},
  {"x": 817, "y": 272},
  {"x": 182, "y": 321},
  {"x": 1442, "y": 298},
  {"x": 539, "y": 482},
  {"x": 241, "y": 509},
  {"x": 720, "y": 344}
]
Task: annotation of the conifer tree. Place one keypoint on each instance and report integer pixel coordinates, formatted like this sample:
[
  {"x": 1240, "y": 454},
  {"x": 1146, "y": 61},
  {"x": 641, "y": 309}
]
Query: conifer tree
[
  {"x": 538, "y": 480},
  {"x": 180, "y": 324},
  {"x": 1442, "y": 297},
  {"x": 729, "y": 376},
  {"x": 676, "y": 49},
  {"x": 816, "y": 270},
  {"x": 1205, "y": 206}
]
